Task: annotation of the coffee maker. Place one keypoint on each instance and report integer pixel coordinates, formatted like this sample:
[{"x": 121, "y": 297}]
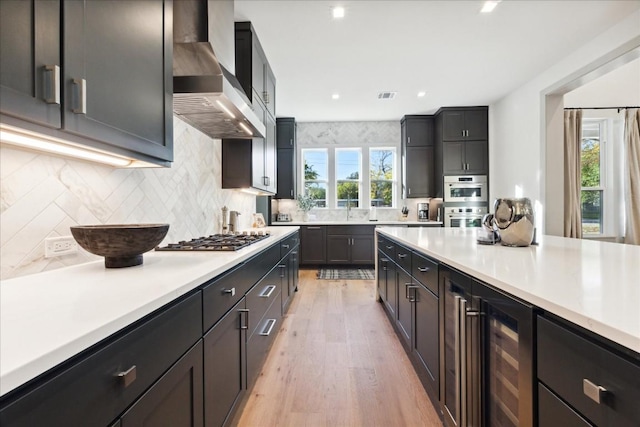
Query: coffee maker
[{"x": 423, "y": 211}]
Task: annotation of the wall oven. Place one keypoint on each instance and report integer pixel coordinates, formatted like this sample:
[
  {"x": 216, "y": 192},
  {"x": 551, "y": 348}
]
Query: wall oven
[
  {"x": 465, "y": 188},
  {"x": 464, "y": 216},
  {"x": 485, "y": 355}
]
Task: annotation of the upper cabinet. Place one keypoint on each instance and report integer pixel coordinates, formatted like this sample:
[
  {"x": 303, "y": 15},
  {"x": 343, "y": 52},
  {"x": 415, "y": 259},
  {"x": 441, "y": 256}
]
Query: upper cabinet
[
  {"x": 113, "y": 89},
  {"x": 252, "y": 68},
  {"x": 464, "y": 123},
  {"x": 286, "y": 149},
  {"x": 417, "y": 148}
]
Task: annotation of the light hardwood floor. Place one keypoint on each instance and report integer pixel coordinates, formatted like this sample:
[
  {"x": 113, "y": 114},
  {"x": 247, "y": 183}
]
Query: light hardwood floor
[{"x": 337, "y": 362}]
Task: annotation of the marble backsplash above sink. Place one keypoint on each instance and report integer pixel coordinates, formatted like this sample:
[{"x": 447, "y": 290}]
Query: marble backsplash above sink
[{"x": 42, "y": 196}]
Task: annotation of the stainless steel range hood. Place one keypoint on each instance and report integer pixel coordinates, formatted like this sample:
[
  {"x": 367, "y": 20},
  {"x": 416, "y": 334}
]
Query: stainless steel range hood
[{"x": 205, "y": 94}]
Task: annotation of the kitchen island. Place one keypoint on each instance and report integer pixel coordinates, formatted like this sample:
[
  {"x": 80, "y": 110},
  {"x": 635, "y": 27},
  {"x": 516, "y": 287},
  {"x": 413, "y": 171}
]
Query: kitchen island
[
  {"x": 547, "y": 334},
  {"x": 50, "y": 317}
]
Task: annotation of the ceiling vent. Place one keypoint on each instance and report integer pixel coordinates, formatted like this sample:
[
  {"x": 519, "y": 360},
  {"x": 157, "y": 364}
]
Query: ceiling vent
[{"x": 386, "y": 95}]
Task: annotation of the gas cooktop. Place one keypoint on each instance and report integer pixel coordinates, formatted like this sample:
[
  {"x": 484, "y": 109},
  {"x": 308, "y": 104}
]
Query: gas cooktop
[{"x": 216, "y": 242}]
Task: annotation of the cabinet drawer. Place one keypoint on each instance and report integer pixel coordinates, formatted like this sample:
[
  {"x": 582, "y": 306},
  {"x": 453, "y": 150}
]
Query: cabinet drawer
[
  {"x": 566, "y": 361},
  {"x": 221, "y": 294},
  {"x": 261, "y": 296},
  {"x": 425, "y": 271},
  {"x": 90, "y": 391},
  {"x": 349, "y": 229},
  {"x": 287, "y": 244},
  {"x": 403, "y": 257},
  {"x": 554, "y": 412},
  {"x": 258, "y": 345},
  {"x": 388, "y": 248}
]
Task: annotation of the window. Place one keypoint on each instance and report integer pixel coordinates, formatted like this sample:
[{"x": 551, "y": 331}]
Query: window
[
  {"x": 316, "y": 176},
  {"x": 592, "y": 176},
  {"x": 382, "y": 176},
  {"x": 348, "y": 173}
]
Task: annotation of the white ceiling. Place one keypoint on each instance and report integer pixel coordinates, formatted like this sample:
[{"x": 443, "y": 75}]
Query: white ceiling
[{"x": 449, "y": 49}]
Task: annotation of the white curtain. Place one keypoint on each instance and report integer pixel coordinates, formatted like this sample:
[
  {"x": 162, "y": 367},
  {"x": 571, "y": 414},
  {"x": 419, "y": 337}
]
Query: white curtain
[
  {"x": 632, "y": 175},
  {"x": 572, "y": 181}
]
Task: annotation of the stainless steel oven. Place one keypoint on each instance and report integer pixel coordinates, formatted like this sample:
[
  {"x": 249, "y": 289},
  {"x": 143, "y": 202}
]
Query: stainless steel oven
[
  {"x": 465, "y": 188},
  {"x": 464, "y": 216}
]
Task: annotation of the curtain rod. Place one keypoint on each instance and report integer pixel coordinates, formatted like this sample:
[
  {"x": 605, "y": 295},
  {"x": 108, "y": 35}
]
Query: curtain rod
[{"x": 598, "y": 108}]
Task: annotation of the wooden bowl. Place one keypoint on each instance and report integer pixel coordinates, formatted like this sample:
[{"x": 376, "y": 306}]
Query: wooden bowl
[{"x": 121, "y": 245}]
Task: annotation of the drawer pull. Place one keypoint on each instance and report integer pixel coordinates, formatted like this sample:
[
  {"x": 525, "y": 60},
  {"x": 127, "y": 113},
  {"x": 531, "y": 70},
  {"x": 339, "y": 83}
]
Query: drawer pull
[
  {"x": 389, "y": 247},
  {"x": 246, "y": 316},
  {"x": 127, "y": 377},
  {"x": 402, "y": 256},
  {"x": 593, "y": 391},
  {"x": 285, "y": 246},
  {"x": 268, "y": 327},
  {"x": 424, "y": 269},
  {"x": 266, "y": 292},
  {"x": 313, "y": 228},
  {"x": 231, "y": 291}
]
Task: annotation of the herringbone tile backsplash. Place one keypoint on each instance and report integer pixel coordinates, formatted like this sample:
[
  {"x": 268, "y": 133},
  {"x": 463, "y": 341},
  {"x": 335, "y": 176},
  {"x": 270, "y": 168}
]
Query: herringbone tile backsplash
[{"x": 42, "y": 196}]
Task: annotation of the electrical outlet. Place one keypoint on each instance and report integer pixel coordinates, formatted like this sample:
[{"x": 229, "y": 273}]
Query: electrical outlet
[{"x": 58, "y": 246}]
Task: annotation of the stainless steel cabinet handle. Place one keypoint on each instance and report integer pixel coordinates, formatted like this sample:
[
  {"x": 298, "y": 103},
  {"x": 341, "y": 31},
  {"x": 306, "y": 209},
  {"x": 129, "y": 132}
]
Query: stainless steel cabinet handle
[
  {"x": 290, "y": 141},
  {"x": 408, "y": 140},
  {"x": 409, "y": 190},
  {"x": 593, "y": 391},
  {"x": 463, "y": 363},
  {"x": 291, "y": 193},
  {"x": 423, "y": 269},
  {"x": 313, "y": 228},
  {"x": 285, "y": 246},
  {"x": 231, "y": 291},
  {"x": 127, "y": 377},
  {"x": 413, "y": 296},
  {"x": 406, "y": 289},
  {"x": 246, "y": 318},
  {"x": 402, "y": 256},
  {"x": 266, "y": 292},
  {"x": 79, "y": 96},
  {"x": 389, "y": 247},
  {"x": 51, "y": 86},
  {"x": 268, "y": 327}
]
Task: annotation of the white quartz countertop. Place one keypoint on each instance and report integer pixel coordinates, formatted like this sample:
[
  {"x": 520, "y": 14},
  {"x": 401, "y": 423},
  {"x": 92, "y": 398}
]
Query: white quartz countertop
[
  {"x": 593, "y": 284},
  {"x": 46, "y": 318},
  {"x": 361, "y": 222}
]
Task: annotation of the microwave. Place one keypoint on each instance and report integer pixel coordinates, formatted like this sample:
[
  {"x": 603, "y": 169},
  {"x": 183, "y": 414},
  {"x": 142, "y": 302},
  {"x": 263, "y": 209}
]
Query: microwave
[{"x": 465, "y": 188}]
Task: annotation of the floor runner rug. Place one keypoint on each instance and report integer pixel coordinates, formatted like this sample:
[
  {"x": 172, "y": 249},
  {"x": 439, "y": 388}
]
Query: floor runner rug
[{"x": 346, "y": 273}]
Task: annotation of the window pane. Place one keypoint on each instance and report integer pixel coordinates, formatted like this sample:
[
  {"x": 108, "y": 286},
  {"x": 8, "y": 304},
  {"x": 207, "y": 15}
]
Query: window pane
[
  {"x": 348, "y": 194},
  {"x": 347, "y": 164},
  {"x": 318, "y": 191},
  {"x": 590, "y": 155},
  {"x": 381, "y": 164},
  {"x": 382, "y": 194},
  {"x": 591, "y": 211},
  {"x": 315, "y": 165}
]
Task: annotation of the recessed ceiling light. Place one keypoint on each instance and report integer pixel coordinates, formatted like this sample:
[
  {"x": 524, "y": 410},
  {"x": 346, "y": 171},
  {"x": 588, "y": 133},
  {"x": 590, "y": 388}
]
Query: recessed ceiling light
[
  {"x": 421, "y": 94},
  {"x": 338, "y": 12},
  {"x": 335, "y": 96},
  {"x": 489, "y": 6}
]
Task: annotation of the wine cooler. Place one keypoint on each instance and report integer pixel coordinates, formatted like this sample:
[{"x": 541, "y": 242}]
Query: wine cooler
[{"x": 486, "y": 362}]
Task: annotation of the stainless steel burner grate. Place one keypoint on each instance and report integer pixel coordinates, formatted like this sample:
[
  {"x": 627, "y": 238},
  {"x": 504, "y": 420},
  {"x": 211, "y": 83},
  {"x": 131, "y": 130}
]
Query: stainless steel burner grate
[{"x": 215, "y": 242}]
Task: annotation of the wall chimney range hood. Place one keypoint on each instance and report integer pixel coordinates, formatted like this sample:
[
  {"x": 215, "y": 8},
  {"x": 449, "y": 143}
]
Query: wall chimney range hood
[{"x": 205, "y": 94}]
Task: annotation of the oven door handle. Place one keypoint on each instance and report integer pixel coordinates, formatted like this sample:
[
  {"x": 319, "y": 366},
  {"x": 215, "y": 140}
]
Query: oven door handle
[{"x": 456, "y": 185}]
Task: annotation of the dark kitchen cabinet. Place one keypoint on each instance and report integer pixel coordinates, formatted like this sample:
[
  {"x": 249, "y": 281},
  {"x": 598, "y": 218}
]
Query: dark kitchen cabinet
[
  {"x": 30, "y": 61},
  {"x": 462, "y": 146},
  {"x": 96, "y": 388},
  {"x": 289, "y": 270},
  {"x": 286, "y": 153},
  {"x": 383, "y": 269},
  {"x": 465, "y": 123},
  {"x": 252, "y": 67},
  {"x": 404, "y": 320},
  {"x": 115, "y": 86},
  {"x": 350, "y": 244},
  {"x": 175, "y": 400},
  {"x": 600, "y": 384},
  {"x": 313, "y": 245},
  {"x": 259, "y": 343},
  {"x": 425, "y": 344},
  {"x": 224, "y": 365},
  {"x": 465, "y": 158},
  {"x": 417, "y": 153}
]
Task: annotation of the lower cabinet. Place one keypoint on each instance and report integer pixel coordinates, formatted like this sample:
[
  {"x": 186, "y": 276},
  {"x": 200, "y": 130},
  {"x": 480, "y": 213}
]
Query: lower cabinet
[
  {"x": 289, "y": 269},
  {"x": 259, "y": 343},
  {"x": 337, "y": 244},
  {"x": 383, "y": 269},
  {"x": 224, "y": 355},
  {"x": 404, "y": 314},
  {"x": 425, "y": 335},
  {"x": 176, "y": 399},
  {"x": 313, "y": 246}
]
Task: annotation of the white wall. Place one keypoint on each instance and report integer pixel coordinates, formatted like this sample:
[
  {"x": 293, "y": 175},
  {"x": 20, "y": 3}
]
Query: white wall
[
  {"x": 518, "y": 134},
  {"x": 42, "y": 195}
]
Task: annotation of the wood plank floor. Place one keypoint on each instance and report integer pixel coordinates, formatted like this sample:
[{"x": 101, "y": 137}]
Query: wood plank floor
[{"x": 337, "y": 362}]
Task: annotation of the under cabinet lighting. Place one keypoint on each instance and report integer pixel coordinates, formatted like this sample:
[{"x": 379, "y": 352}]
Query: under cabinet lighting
[
  {"x": 489, "y": 6},
  {"x": 245, "y": 128},
  {"x": 34, "y": 141},
  {"x": 226, "y": 110},
  {"x": 421, "y": 94},
  {"x": 338, "y": 12}
]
